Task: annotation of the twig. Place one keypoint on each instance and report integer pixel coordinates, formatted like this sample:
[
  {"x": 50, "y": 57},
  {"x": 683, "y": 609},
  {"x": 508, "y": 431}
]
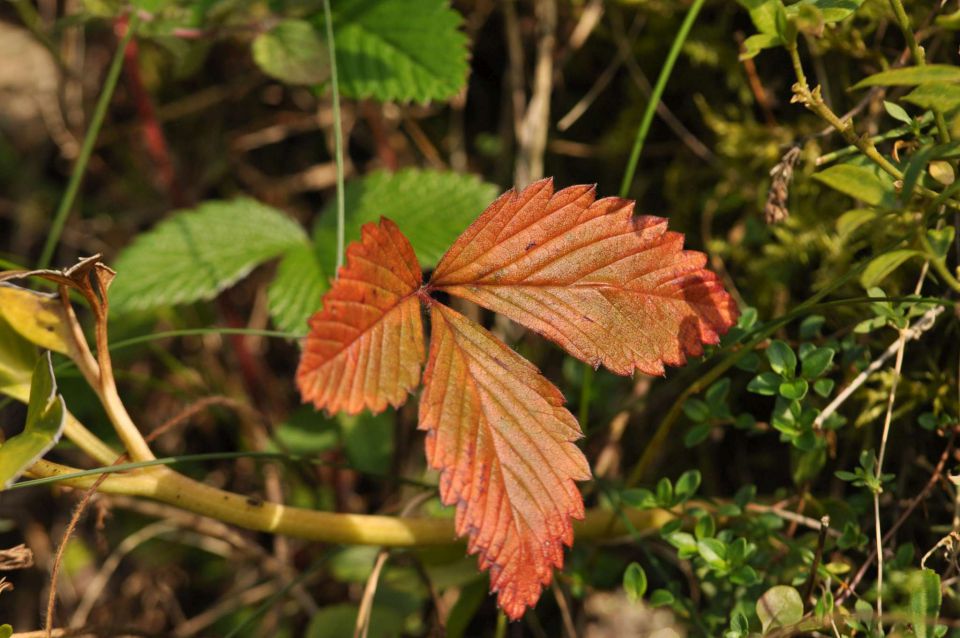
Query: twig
[
  {"x": 817, "y": 557},
  {"x": 923, "y": 324},
  {"x": 603, "y": 80},
  {"x": 756, "y": 86},
  {"x": 532, "y": 135},
  {"x": 934, "y": 479}
]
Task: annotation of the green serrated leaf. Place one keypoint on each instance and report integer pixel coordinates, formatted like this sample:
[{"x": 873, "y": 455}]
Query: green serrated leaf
[
  {"x": 295, "y": 292},
  {"x": 293, "y": 52},
  {"x": 431, "y": 208},
  {"x": 925, "y": 598},
  {"x": 780, "y": 606},
  {"x": 940, "y": 96},
  {"x": 399, "y": 49},
  {"x": 858, "y": 182},
  {"x": 882, "y": 266},
  {"x": 912, "y": 76},
  {"x": 46, "y": 417},
  {"x": 197, "y": 253}
]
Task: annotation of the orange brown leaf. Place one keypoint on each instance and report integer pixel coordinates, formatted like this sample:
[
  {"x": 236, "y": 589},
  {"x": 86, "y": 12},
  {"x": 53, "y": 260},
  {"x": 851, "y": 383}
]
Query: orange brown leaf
[
  {"x": 365, "y": 347},
  {"x": 503, "y": 442},
  {"x": 609, "y": 287}
]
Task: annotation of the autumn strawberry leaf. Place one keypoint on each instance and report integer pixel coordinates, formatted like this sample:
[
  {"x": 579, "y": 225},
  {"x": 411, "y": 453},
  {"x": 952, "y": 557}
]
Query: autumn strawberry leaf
[
  {"x": 365, "y": 347},
  {"x": 612, "y": 288}
]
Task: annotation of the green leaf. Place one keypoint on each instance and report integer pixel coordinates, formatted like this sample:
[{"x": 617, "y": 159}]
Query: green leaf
[
  {"x": 780, "y": 606},
  {"x": 687, "y": 485},
  {"x": 195, "y": 254},
  {"x": 639, "y": 497},
  {"x": 816, "y": 362},
  {"x": 940, "y": 240},
  {"x": 295, "y": 292},
  {"x": 661, "y": 598},
  {"x": 339, "y": 620},
  {"x": 912, "y": 75},
  {"x": 368, "y": 440},
  {"x": 939, "y": 96},
  {"x": 399, "y": 49},
  {"x": 37, "y": 317},
  {"x": 469, "y": 601},
  {"x": 851, "y": 220},
  {"x": 833, "y": 10},
  {"x": 882, "y": 266},
  {"x": 950, "y": 21},
  {"x": 307, "y": 432},
  {"x": 924, "y": 588},
  {"x": 858, "y": 182},
  {"x": 713, "y": 552},
  {"x": 432, "y": 208},
  {"x": 293, "y": 52},
  {"x": 17, "y": 359},
  {"x": 634, "y": 582},
  {"x": 823, "y": 387},
  {"x": 782, "y": 359},
  {"x": 764, "y": 14},
  {"x": 46, "y": 416},
  {"x": 697, "y": 434},
  {"x": 757, "y": 43},
  {"x": 765, "y": 383},
  {"x": 696, "y": 410},
  {"x": 897, "y": 112},
  {"x": 794, "y": 389}
]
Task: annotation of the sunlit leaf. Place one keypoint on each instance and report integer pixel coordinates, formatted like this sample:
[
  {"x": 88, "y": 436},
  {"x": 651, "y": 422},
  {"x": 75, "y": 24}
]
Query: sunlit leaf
[
  {"x": 403, "y": 50},
  {"x": 365, "y": 346},
  {"x": 858, "y": 182},
  {"x": 503, "y": 442},
  {"x": 577, "y": 271},
  {"x": 293, "y": 52},
  {"x": 780, "y": 606},
  {"x": 194, "y": 254},
  {"x": 46, "y": 417},
  {"x": 912, "y": 76}
]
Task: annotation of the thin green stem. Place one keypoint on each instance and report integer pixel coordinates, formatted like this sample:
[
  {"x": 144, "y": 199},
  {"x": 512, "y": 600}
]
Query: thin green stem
[
  {"x": 814, "y": 102},
  {"x": 657, "y": 93},
  {"x": 337, "y": 132},
  {"x": 196, "y": 458},
  {"x": 903, "y": 21},
  {"x": 86, "y": 150}
]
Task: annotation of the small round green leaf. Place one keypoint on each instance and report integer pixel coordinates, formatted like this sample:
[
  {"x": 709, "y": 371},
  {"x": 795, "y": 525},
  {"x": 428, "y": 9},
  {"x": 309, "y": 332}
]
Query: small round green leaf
[
  {"x": 293, "y": 52},
  {"x": 780, "y": 606},
  {"x": 634, "y": 582}
]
